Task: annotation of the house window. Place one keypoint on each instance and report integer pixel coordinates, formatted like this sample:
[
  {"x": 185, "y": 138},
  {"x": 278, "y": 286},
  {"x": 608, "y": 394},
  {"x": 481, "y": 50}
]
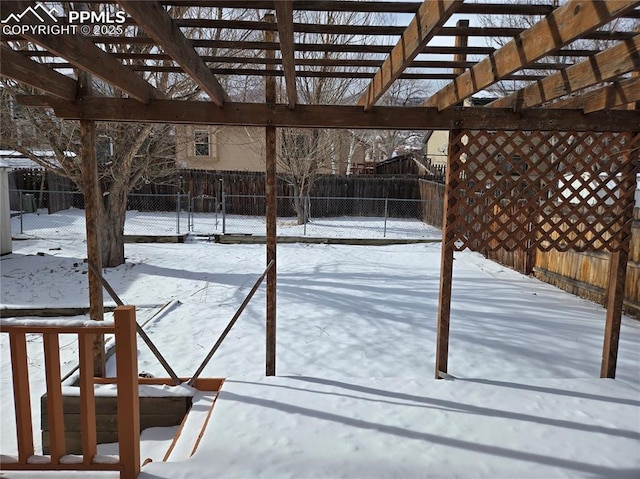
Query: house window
[{"x": 201, "y": 143}]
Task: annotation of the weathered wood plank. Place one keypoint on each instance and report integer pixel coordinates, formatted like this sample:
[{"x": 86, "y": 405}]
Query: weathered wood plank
[
  {"x": 559, "y": 28},
  {"x": 82, "y": 53},
  {"x": 106, "y": 405},
  {"x": 22, "y": 69},
  {"x": 271, "y": 220},
  {"x": 335, "y": 116},
  {"x": 429, "y": 18},
  {"x": 92, "y": 198},
  {"x": 609, "y": 64},
  {"x": 157, "y": 23},
  {"x": 284, "y": 15},
  {"x": 611, "y": 96},
  {"x": 446, "y": 263},
  {"x": 615, "y": 298}
]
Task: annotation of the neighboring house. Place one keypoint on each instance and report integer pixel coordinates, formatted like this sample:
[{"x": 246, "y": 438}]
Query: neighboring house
[
  {"x": 208, "y": 147},
  {"x": 436, "y": 146},
  {"x": 436, "y": 142}
]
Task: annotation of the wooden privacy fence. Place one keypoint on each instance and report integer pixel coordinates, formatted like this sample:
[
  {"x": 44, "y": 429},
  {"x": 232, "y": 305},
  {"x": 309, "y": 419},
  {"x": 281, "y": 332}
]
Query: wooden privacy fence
[
  {"x": 432, "y": 194},
  {"x": 128, "y": 462},
  {"x": 584, "y": 273}
]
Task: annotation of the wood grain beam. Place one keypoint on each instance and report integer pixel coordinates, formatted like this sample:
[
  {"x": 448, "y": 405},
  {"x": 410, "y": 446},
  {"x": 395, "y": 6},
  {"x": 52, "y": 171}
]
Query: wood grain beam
[
  {"x": 156, "y": 22},
  {"x": 334, "y": 116},
  {"x": 24, "y": 70},
  {"x": 611, "y": 96},
  {"x": 623, "y": 57},
  {"x": 559, "y": 28},
  {"x": 430, "y": 17},
  {"x": 284, "y": 16},
  {"x": 83, "y": 54},
  {"x": 380, "y": 30}
]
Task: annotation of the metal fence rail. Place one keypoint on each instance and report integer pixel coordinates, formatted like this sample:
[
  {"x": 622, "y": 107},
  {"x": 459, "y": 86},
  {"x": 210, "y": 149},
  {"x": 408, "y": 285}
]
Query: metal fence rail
[
  {"x": 60, "y": 214},
  {"x": 328, "y": 217}
]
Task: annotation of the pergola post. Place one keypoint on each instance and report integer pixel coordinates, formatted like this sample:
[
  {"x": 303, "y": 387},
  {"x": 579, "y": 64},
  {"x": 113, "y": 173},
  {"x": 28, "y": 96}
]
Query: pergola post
[
  {"x": 615, "y": 298},
  {"x": 91, "y": 192},
  {"x": 615, "y": 295},
  {"x": 270, "y": 191},
  {"x": 446, "y": 262}
]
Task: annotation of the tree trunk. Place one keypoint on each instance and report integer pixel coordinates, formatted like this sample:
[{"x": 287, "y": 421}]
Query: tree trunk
[
  {"x": 298, "y": 204},
  {"x": 112, "y": 234}
]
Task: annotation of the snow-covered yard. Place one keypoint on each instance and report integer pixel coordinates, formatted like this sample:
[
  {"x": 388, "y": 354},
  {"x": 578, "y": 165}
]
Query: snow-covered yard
[{"x": 354, "y": 396}]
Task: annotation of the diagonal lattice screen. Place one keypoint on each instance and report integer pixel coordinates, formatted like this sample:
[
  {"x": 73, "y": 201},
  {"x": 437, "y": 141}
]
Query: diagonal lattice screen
[{"x": 550, "y": 190}]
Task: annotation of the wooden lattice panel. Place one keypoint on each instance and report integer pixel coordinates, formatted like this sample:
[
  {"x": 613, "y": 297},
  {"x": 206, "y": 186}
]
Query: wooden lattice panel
[{"x": 550, "y": 190}]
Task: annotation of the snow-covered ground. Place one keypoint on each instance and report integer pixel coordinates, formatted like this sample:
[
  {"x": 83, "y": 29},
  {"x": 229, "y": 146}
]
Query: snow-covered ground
[
  {"x": 68, "y": 224},
  {"x": 356, "y": 344}
]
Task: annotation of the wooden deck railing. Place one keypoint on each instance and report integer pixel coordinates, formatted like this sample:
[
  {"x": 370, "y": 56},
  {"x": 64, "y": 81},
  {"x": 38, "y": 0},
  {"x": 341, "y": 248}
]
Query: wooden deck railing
[{"x": 124, "y": 329}]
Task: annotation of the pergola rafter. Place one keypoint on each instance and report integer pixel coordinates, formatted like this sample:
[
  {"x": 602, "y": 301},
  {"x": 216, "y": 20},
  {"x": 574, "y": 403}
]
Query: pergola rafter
[
  {"x": 22, "y": 69},
  {"x": 284, "y": 17},
  {"x": 605, "y": 66},
  {"x": 430, "y": 17},
  {"x": 83, "y": 54},
  {"x": 155, "y": 21},
  {"x": 559, "y": 28},
  {"x": 615, "y": 95}
]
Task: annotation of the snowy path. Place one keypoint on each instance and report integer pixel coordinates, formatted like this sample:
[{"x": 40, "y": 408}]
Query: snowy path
[
  {"x": 347, "y": 314},
  {"x": 303, "y": 427}
]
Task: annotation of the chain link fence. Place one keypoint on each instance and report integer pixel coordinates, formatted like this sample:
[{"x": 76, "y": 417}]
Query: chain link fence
[
  {"x": 58, "y": 214},
  {"x": 323, "y": 217}
]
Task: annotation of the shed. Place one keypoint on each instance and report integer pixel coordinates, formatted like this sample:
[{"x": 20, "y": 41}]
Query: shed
[{"x": 5, "y": 213}]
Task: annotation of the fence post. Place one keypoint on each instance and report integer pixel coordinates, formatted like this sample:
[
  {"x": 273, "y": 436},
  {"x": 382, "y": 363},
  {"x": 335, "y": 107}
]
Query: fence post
[
  {"x": 178, "y": 213},
  {"x": 21, "y": 221},
  {"x": 305, "y": 214},
  {"x": 189, "y": 212},
  {"x": 215, "y": 209},
  {"x": 224, "y": 212},
  {"x": 386, "y": 213}
]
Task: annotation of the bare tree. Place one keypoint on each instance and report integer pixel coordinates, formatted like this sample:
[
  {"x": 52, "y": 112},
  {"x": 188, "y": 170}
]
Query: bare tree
[
  {"x": 387, "y": 142},
  {"x": 130, "y": 155},
  {"x": 304, "y": 154}
]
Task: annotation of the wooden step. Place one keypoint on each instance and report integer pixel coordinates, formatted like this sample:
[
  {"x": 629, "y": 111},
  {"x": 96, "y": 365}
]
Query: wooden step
[{"x": 192, "y": 427}]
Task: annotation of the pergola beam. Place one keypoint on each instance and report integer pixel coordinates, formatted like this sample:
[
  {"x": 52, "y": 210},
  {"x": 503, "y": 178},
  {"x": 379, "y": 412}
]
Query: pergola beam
[
  {"x": 335, "y": 116},
  {"x": 607, "y": 65},
  {"x": 284, "y": 16},
  {"x": 83, "y": 54},
  {"x": 156, "y": 22},
  {"x": 559, "y": 28},
  {"x": 430, "y": 17},
  {"x": 22, "y": 69},
  {"x": 611, "y": 96}
]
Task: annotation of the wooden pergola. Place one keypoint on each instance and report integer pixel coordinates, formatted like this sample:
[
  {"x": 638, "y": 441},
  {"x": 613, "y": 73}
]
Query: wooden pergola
[{"x": 584, "y": 106}]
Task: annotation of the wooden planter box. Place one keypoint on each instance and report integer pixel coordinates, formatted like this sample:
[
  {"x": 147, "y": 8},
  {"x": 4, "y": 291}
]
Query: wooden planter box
[{"x": 154, "y": 412}]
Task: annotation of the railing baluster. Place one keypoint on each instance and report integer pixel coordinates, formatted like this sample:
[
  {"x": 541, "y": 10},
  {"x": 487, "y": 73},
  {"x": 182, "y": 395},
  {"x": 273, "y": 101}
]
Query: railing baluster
[
  {"x": 57, "y": 444},
  {"x": 22, "y": 400},
  {"x": 128, "y": 401},
  {"x": 87, "y": 398}
]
